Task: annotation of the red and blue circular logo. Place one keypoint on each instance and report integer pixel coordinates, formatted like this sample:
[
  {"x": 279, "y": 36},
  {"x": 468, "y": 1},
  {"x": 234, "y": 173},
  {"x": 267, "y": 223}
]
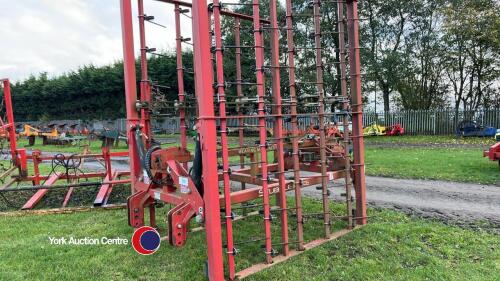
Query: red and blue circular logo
[{"x": 146, "y": 240}]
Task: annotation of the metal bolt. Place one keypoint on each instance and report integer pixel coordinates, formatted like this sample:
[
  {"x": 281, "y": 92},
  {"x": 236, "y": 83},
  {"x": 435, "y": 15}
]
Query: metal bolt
[{"x": 199, "y": 218}]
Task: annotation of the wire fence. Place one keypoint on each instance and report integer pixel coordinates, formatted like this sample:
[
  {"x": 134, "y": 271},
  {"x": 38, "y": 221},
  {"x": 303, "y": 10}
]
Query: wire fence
[{"x": 435, "y": 122}]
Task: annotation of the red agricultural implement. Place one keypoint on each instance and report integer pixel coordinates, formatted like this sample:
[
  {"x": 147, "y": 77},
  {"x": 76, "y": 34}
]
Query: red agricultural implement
[
  {"x": 493, "y": 153},
  {"x": 67, "y": 171},
  {"x": 219, "y": 178},
  {"x": 395, "y": 130}
]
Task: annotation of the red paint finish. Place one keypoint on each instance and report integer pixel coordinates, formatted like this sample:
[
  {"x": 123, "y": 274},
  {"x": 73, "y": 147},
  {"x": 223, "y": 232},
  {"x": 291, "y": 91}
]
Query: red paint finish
[
  {"x": 223, "y": 12},
  {"x": 40, "y": 193},
  {"x": 130, "y": 89},
  {"x": 493, "y": 153},
  {"x": 208, "y": 137},
  {"x": 11, "y": 128},
  {"x": 105, "y": 190},
  {"x": 259, "y": 63},
  {"x": 278, "y": 121},
  {"x": 294, "y": 121},
  {"x": 180, "y": 78},
  {"x": 345, "y": 107},
  {"x": 223, "y": 133},
  {"x": 321, "y": 114},
  {"x": 357, "y": 110},
  {"x": 144, "y": 84}
]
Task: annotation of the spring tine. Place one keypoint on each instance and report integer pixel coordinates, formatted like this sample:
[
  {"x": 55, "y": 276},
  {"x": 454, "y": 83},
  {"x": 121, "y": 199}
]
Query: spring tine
[
  {"x": 247, "y": 206},
  {"x": 246, "y": 241}
]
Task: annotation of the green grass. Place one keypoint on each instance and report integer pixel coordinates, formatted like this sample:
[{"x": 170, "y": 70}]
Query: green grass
[
  {"x": 451, "y": 164},
  {"x": 396, "y": 247},
  {"x": 461, "y": 164},
  {"x": 420, "y": 139},
  {"x": 392, "y": 247},
  {"x": 94, "y": 146}
]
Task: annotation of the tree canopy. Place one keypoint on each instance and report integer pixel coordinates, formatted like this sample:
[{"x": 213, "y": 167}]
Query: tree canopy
[{"x": 422, "y": 54}]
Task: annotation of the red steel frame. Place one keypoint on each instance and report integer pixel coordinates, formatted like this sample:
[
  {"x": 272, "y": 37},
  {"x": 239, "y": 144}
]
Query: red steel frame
[
  {"x": 144, "y": 84},
  {"x": 321, "y": 114},
  {"x": 223, "y": 131},
  {"x": 345, "y": 104},
  {"x": 294, "y": 122},
  {"x": 170, "y": 165},
  {"x": 357, "y": 110},
  {"x": 18, "y": 155},
  {"x": 180, "y": 78}
]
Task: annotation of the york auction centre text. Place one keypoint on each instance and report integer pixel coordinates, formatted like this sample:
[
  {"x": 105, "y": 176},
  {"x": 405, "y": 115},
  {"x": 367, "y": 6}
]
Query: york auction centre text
[{"x": 87, "y": 241}]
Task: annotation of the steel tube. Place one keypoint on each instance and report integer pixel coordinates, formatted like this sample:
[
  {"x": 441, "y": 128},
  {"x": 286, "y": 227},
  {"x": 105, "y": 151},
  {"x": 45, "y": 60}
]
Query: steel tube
[
  {"x": 180, "y": 78},
  {"x": 295, "y": 127},
  {"x": 345, "y": 107},
  {"x": 357, "y": 108},
  {"x": 239, "y": 92},
  {"x": 278, "y": 121},
  {"x": 259, "y": 64},
  {"x": 144, "y": 84},
  {"x": 223, "y": 12},
  {"x": 223, "y": 136},
  {"x": 130, "y": 88},
  {"x": 10, "y": 120},
  {"x": 321, "y": 112},
  {"x": 208, "y": 137}
]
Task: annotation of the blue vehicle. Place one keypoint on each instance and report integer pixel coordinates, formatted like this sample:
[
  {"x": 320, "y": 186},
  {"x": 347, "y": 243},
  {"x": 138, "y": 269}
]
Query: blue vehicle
[{"x": 473, "y": 129}]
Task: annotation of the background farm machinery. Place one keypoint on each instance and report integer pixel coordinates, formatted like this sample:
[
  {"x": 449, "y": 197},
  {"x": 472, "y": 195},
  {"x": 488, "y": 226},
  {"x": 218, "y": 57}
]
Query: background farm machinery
[
  {"x": 40, "y": 173},
  {"x": 53, "y": 133},
  {"x": 222, "y": 176},
  {"x": 469, "y": 128},
  {"x": 76, "y": 134},
  {"x": 377, "y": 130},
  {"x": 493, "y": 153}
]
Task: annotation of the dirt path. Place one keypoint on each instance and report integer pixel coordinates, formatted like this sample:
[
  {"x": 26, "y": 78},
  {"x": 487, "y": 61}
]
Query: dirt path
[{"x": 461, "y": 203}]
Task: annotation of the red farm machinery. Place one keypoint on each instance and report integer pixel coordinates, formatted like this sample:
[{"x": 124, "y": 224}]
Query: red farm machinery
[
  {"x": 222, "y": 175},
  {"x": 493, "y": 153},
  {"x": 23, "y": 170}
]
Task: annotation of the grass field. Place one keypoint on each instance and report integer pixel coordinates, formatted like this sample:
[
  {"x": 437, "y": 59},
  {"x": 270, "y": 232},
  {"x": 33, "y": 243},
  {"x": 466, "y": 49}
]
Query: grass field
[
  {"x": 94, "y": 146},
  {"x": 392, "y": 247},
  {"x": 446, "y": 139},
  {"x": 451, "y": 164}
]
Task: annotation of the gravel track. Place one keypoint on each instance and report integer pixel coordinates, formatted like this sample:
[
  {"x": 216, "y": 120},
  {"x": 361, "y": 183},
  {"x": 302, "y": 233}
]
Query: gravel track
[{"x": 458, "y": 203}]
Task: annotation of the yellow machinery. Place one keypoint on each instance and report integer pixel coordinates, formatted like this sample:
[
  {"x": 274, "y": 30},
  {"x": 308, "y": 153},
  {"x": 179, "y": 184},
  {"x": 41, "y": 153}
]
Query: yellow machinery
[
  {"x": 374, "y": 130},
  {"x": 31, "y": 133}
]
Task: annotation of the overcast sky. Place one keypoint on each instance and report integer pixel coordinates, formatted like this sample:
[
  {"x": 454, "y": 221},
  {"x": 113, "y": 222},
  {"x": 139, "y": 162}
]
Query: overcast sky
[{"x": 57, "y": 36}]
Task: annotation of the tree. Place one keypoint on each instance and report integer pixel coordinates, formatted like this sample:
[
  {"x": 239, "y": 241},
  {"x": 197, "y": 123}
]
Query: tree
[
  {"x": 472, "y": 34},
  {"x": 90, "y": 92},
  {"x": 382, "y": 38},
  {"x": 420, "y": 82}
]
